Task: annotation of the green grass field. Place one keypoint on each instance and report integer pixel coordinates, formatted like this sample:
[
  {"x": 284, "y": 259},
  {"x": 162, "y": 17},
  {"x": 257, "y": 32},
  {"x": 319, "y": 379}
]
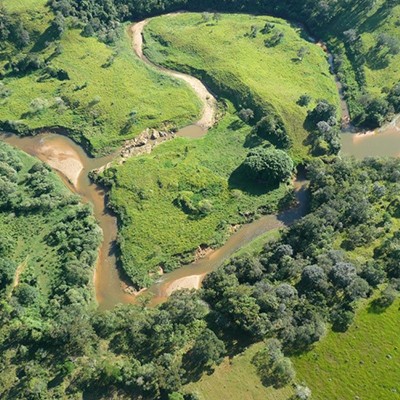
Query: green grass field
[
  {"x": 361, "y": 363},
  {"x": 380, "y": 74},
  {"x": 225, "y": 52},
  {"x": 106, "y": 84},
  {"x": 155, "y": 229},
  {"x": 236, "y": 378}
]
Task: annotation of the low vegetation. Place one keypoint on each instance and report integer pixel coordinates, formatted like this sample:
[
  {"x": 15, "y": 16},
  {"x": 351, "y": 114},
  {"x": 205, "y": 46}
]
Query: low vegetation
[
  {"x": 362, "y": 362},
  {"x": 101, "y": 94},
  {"x": 268, "y": 81},
  {"x": 188, "y": 194}
]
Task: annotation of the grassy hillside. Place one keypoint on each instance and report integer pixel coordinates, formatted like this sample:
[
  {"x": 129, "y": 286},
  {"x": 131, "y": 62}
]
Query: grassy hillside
[
  {"x": 156, "y": 229},
  {"x": 227, "y": 56},
  {"x": 108, "y": 95},
  {"x": 236, "y": 378},
  {"x": 361, "y": 363},
  {"x": 382, "y": 71}
]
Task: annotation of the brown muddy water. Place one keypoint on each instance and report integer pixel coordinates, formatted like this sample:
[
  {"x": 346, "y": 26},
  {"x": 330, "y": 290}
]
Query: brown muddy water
[
  {"x": 383, "y": 142},
  {"x": 73, "y": 165}
]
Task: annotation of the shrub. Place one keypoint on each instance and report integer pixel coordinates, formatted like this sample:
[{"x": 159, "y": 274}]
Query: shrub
[
  {"x": 272, "y": 128},
  {"x": 268, "y": 165}
]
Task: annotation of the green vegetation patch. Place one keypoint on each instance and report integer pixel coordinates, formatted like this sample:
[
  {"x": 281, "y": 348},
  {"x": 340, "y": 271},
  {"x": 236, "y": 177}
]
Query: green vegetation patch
[
  {"x": 362, "y": 362},
  {"x": 185, "y": 194},
  {"x": 33, "y": 202},
  {"x": 236, "y": 378},
  {"x": 104, "y": 94},
  {"x": 261, "y": 63}
]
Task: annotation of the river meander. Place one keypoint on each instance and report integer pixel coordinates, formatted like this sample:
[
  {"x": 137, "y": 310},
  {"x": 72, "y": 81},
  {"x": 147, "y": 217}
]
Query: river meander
[{"x": 73, "y": 165}]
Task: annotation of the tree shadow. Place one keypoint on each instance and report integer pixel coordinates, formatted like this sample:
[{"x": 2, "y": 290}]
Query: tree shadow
[
  {"x": 376, "y": 60},
  {"x": 375, "y": 21},
  {"x": 44, "y": 40},
  {"x": 239, "y": 179},
  {"x": 253, "y": 140},
  {"x": 376, "y": 307}
]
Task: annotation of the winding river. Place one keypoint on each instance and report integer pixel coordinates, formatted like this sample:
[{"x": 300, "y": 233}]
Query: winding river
[{"x": 73, "y": 165}]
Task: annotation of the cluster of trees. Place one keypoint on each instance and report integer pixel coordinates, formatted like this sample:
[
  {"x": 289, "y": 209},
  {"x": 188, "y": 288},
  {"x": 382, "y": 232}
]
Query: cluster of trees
[
  {"x": 322, "y": 122},
  {"x": 285, "y": 295},
  {"x": 30, "y": 192},
  {"x": 12, "y": 29}
]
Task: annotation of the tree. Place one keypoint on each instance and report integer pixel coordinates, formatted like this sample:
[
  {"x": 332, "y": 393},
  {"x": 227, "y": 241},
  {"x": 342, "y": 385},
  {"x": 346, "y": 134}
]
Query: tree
[
  {"x": 272, "y": 366},
  {"x": 272, "y": 128},
  {"x": 323, "y": 111},
  {"x": 342, "y": 274},
  {"x": 303, "y": 51},
  {"x": 26, "y": 294},
  {"x": 313, "y": 279},
  {"x": 38, "y": 105},
  {"x": 304, "y": 100},
  {"x": 387, "y": 297},
  {"x": 301, "y": 393},
  {"x": 373, "y": 274},
  {"x": 390, "y": 43},
  {"x": 206, "y": 16},
  {"x": 58, "y": 25},
  {"x": 394, "y": 97},
  {"x": 268, "y": 27},
  {"x": 375, "y": 110},
  {"x": 268, "y": 165},
  {"x": 341, "y": 319},
  {"x": 217, "y": 17},
  {"x": 246, "y": 114},
  {"x": 208, "y": 349},
  {"x": 275, "y": 39},
  {"x": 7, "y": 271},
  {"x": 22, "y": 37},
  {"x": 358, "y": 288}
]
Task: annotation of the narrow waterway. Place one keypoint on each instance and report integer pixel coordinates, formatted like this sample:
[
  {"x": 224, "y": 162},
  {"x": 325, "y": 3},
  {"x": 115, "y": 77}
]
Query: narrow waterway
[{"x": 73, "y": 165}]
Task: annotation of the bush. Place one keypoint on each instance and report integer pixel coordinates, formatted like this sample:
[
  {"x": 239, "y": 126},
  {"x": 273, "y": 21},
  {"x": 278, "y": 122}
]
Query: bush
[
  {"x": 271, "y": 127},
  {"x": 268, "y": 165}
]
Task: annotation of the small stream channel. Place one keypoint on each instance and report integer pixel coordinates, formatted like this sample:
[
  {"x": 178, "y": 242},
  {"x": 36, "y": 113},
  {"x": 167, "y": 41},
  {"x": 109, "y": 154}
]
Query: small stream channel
[{"x": 73, "y": 165}]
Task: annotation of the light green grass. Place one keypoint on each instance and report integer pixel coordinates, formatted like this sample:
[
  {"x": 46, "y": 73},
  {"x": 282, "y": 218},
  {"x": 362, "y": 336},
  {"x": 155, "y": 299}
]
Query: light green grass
[
  {"x": 236, "y": 379},
  {"x": 99, "y": 98},
  {"x": 362, "y": 363},
  {"x": 387, "y": 75},
  {"x": 155, "y": 231},
  {"x": 23, "y": 5},
  {"x": 243, "y": 64}
]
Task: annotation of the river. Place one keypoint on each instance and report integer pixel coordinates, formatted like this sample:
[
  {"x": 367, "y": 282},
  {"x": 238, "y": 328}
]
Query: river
[{"x": 73, "y": 165}]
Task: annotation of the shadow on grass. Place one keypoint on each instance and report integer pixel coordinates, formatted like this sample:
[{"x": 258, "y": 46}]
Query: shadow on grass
[
  {"x": 376, "y": 60},
  {"x": 48, "y": 36},
  {"x": 239, "y": 179},
  {"x": 377, "y": 307}
]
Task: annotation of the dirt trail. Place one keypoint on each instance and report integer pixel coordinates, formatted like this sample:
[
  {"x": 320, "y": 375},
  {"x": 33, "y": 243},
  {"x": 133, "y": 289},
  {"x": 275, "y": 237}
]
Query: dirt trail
[
  {"x": 20, "y": 269},
  {"x": 208, "y": 117}
]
